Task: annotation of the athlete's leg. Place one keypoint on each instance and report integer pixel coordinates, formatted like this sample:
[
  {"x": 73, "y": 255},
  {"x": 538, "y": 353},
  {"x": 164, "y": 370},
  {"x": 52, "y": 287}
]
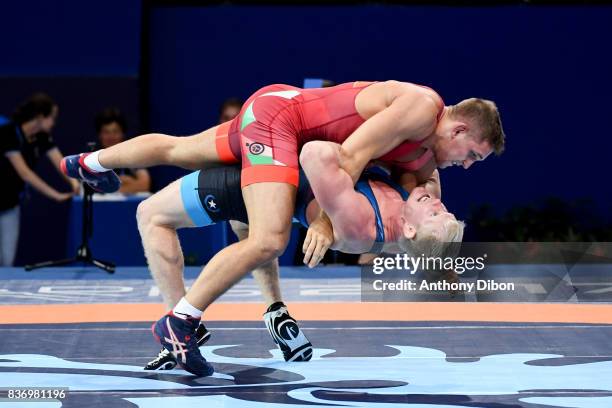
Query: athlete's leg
[
  {"x": 206, "y": 149},
  {"x": 269, "y": 176},
  {"x": 190, "y": 152},
  {"x": 283, "y": 328},
  {"x": 269, "y": 198},
  {"x": 159, "y": 217},
  {"x": 268, "y": 237},
  {"x": 266, "y": 275},
  {"x": 270, "y": 208}
]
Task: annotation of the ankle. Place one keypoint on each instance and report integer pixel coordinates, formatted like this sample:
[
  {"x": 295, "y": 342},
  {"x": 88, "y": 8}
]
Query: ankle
[
  {"x": 275, "y": 306},
  {"x": 92, "y": 161},
  {"x": 184, "y": 310}
]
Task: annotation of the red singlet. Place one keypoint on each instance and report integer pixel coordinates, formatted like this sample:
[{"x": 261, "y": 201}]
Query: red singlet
[{"x": 277, "y": 120}]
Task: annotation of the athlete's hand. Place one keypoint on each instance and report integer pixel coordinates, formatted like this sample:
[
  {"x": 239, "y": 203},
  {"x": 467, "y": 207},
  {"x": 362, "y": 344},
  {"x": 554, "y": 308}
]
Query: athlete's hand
[{"x": 319, "y": 238}]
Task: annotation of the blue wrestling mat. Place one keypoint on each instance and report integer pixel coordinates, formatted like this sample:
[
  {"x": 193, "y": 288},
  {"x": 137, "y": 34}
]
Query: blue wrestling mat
[{"x": 418, "y": 360}]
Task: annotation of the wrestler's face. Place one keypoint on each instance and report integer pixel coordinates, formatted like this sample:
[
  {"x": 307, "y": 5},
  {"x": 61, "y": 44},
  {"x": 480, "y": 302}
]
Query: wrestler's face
[
  {"x": 421, "y": 211},
  {"x": 110, "y": 135},
  {"x": 460, "y": 146}
]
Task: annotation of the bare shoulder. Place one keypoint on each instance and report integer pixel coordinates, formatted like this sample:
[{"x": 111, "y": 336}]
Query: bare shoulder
[
  {"x": 409, "y": 90},
  {"x": 381, "y": 95},
  {"x": 418, "y": 109}
]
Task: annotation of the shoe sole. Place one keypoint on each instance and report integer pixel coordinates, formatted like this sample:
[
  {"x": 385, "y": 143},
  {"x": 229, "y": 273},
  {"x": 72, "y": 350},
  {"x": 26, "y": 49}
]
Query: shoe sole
[
  {"x": 302, "y": 353},
  {"x": 204, "y": 339}
]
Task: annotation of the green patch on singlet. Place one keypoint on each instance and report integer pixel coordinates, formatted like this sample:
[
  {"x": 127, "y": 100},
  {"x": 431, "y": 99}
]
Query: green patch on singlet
[
  {"x": 258, "y": 159},
  {"x": 248, "y": 117}
]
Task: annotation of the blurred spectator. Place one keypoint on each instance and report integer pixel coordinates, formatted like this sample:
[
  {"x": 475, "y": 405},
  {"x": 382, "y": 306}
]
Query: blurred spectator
[
  {"x": 230, "y": 108},
  {"x": 23, "y": 140},
  {"x": 111, "y": 128}
]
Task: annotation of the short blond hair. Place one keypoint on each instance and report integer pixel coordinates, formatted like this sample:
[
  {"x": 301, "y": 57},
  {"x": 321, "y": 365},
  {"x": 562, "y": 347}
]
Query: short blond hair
[
  {"x": 485, "y": 115},
  {"x": 428, "y": 243}
]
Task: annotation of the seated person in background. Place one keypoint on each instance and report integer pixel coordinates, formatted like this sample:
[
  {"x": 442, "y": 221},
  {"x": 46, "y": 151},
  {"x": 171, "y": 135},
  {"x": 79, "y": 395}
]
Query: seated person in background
[
  {"x": 111, "y": 127},
  {"x": 23, "y": 140},
  {"x": 230, "y": 108}
]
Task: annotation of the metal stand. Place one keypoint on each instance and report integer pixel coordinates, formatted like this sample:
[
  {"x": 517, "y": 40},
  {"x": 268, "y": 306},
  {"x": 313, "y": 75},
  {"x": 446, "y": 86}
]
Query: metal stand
[{"x": 83, "y": 254}]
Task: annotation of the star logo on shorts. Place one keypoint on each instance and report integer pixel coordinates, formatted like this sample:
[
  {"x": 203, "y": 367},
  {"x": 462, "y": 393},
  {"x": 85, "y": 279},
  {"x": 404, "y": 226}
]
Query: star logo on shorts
[{"x": 211, "y": 204}]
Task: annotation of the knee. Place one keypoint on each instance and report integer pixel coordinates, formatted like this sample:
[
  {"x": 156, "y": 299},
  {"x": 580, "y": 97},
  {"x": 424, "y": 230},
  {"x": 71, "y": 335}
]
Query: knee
[
  {"x": 155, "y": 234},
  {"x": 144, "y": 214},
  {"x": 270, "y": 247}
]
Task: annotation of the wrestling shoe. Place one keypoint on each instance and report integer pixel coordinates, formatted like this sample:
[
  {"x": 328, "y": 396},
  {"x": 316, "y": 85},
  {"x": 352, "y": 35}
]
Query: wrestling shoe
[
  {"x": 178, "y": 336},
  {"x": 286, "y": 334},
  {"x": 166, "y": 361},
  {"x": 105, "y": 182}
]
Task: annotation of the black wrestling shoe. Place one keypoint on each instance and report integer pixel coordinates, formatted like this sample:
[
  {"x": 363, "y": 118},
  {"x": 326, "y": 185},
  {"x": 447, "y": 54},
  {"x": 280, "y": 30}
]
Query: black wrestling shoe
[
  {"x": 202, "y": 334},
  {"x": 286, "y": 334},
  {"x": 166, "y": 361}
]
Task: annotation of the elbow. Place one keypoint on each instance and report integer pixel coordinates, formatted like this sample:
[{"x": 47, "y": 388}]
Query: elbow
[
  {"x": 307, "y": 154},
  {"x": 316, "y": 152}
]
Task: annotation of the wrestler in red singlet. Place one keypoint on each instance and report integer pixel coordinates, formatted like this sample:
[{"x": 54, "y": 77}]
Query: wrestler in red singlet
[{"x": 277, "y": 120}]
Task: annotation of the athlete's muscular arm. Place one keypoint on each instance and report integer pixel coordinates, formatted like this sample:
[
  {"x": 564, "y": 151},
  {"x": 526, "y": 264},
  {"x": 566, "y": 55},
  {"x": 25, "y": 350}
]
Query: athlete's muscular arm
[
  {"x": 408, "y": 115},
  {"x": 405, "y": 112},
  {"x": 332, "y": 186}
]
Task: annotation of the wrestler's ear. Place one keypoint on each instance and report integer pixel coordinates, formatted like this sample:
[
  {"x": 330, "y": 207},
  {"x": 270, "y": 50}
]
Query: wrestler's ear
[
  {"x": 409, "y": 230},
  {"x": 459, "y": 128}
]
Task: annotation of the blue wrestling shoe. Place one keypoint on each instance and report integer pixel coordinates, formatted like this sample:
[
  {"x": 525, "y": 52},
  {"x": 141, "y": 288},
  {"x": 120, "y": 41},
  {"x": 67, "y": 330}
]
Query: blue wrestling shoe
[
  {"x": 165, "y": 360},
  {"x": 178, "y": 336},
  {"x": 286, "y": 334},
  {"x": 105, "y": 182}
]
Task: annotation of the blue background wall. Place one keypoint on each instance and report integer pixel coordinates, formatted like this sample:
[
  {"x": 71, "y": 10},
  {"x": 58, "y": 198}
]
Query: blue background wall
[
  {"x": 70, "y": 38},
  {"x": 86, "y": 55},
  {"x": 548, "y": 68}
]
